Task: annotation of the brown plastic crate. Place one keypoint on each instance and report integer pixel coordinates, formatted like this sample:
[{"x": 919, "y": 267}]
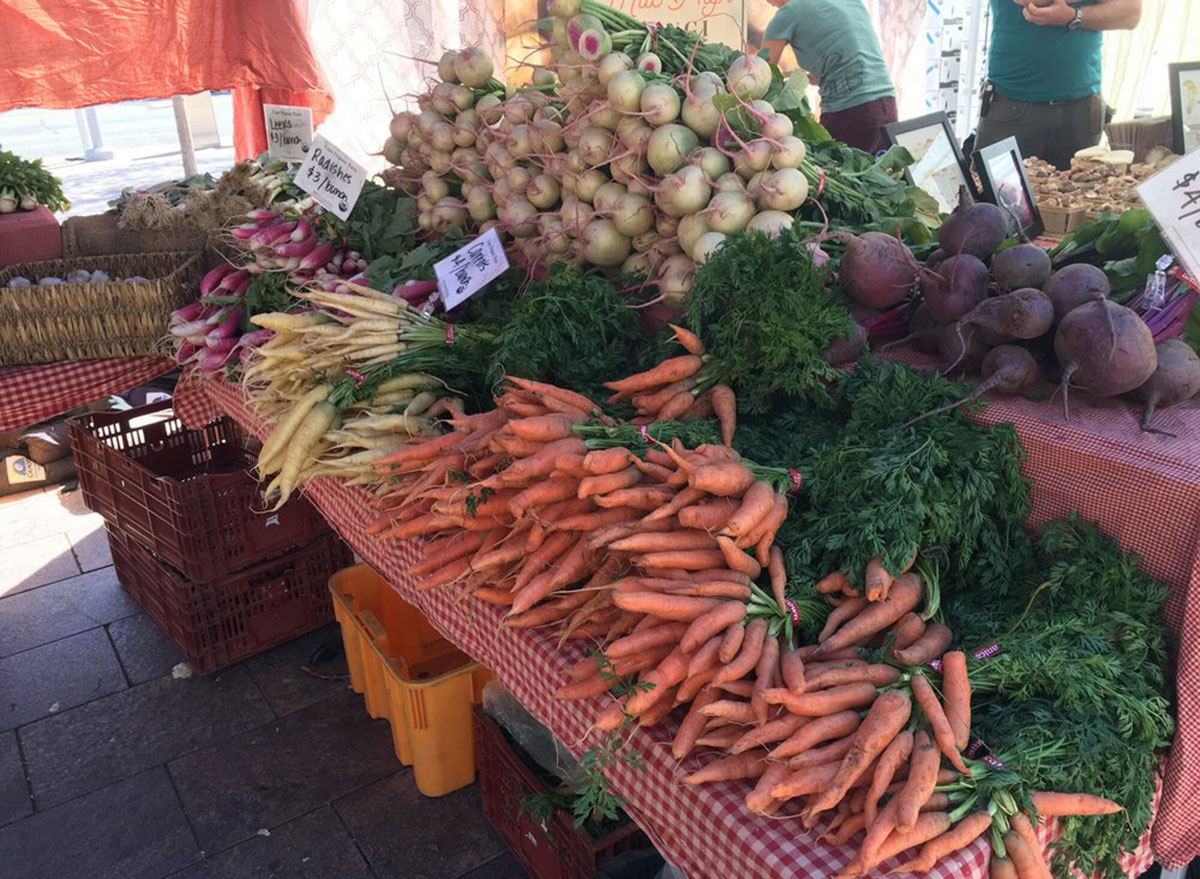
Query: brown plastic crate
[
  {"x": 217, "y": 622},
  {"x": 184, "y": 494},
  {"x": 553, "y": 850}
]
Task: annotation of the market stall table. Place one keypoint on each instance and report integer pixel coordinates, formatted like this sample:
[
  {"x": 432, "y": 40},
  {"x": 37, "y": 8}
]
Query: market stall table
[
  {"x": 36, "y": 393},
  {"x": 705, "y": 831}
]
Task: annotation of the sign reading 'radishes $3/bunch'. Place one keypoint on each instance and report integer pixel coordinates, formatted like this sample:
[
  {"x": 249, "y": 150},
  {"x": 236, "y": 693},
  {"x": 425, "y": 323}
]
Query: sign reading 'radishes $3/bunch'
[{"x": 331, "y": 177}]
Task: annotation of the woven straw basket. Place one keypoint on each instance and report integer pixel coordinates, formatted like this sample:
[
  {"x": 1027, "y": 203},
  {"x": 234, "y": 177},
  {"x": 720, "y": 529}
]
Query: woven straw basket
[{"x": 49, "y": 324}]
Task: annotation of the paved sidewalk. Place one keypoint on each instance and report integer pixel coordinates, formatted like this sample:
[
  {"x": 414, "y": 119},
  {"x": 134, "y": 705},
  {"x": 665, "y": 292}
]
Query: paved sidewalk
[{"x": 112, "y": 767}]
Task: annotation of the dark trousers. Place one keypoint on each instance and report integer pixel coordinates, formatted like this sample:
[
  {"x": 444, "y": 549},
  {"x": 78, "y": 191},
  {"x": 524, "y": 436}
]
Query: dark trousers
[
  {"x": 1053, "y": 131},
  {"x": 862, "y": 126}
]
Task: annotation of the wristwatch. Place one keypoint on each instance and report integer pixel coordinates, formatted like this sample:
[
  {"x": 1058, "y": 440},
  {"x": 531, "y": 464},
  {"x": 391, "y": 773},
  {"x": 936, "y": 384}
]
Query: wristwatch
[{"x": 1075, "y": 23}]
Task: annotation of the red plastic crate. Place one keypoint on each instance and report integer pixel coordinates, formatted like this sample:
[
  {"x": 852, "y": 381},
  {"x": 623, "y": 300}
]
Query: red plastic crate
[
  {"x": 184, "y": 494},
  {"x": 554, "y": 850},
  {"x": 217, "y": 622}
]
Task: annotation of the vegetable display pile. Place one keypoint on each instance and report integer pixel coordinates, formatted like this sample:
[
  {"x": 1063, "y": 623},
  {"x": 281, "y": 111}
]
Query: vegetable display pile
[
  {"x": 635, "y": 161},
  {"x": 26, "y": 184}
]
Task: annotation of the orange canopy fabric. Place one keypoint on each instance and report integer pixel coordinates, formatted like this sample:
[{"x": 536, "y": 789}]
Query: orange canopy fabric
[{"x": 74, "y": 53}]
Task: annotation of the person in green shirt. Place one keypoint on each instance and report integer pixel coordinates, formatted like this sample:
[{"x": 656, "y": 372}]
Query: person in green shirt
[
  {"x": 1044, "y": 74},
  {"x": 835, "y": 42}
]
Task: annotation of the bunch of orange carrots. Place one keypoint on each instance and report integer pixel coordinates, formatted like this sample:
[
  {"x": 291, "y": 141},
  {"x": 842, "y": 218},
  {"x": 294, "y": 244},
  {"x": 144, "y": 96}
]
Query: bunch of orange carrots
[{"x": 679, "y": 388}]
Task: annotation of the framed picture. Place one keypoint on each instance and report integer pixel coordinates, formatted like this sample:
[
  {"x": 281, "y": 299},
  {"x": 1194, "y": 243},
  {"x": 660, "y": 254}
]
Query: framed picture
[
  {"x": 1004, "y": 183},
  {"x": 938, "y": 165},
  {"x": 1185, "y": 105}
]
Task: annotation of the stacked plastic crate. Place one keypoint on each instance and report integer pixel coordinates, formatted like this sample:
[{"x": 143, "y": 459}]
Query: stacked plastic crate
[{"x": 191, "y": 537}]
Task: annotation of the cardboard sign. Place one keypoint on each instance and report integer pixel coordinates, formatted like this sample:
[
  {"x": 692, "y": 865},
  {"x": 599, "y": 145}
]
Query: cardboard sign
[
  {"x": 1173, "y": 197},
  {"x": 20, "y": 469},
  {"x": 331, "y": 177},
  {"x": 289, "y": 131},
  {"x": 466, "y": 271}
]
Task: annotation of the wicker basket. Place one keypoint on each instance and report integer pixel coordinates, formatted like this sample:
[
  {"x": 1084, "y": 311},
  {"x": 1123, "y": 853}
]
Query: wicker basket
[{"x": 92, "y": 321}]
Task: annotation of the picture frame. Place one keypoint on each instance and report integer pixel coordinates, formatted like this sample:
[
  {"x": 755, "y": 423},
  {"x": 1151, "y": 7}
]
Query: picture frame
[
  {"x": 1184, "y": 82},
  {"x": 939, "y": 166},
  {"x": 1005, "y": 183}
]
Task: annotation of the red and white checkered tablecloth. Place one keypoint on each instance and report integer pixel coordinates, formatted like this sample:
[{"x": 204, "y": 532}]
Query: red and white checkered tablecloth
[
  {"x": 29, "y": 394},
  {"x": 705, "y": 831}
]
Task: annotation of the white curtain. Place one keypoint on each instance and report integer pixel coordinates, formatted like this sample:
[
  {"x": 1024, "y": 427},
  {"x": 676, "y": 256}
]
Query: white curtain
[{"x": 1135, "y": 62}]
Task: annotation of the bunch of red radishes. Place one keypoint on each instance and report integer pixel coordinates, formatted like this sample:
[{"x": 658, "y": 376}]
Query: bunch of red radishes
[{"x": 208, "y": 330}]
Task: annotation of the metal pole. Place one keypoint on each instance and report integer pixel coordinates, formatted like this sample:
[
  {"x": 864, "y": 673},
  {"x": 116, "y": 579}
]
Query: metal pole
[
  {"x": 185, "y": 137},
  {"x": 96, "y": 152}
]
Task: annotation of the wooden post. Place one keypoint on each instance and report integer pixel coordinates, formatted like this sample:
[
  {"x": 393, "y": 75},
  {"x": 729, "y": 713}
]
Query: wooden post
[{"x": 185, "y": 137}]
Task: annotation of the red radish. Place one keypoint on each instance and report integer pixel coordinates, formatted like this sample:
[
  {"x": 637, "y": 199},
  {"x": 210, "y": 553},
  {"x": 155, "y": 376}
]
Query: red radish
[
  {"x": 1105, "y": 348},
  {"x": 185, "y": 353},
  {"x": 228, "y": 325},
  {"x": 955, "y": 287},
  {"x": 877, "y": 270},
  {"x": 1176, "y": 379},
  {"x": 1008, "y": 369},
  {"x": 210, "y": 280},
  {"x": 318, "y": 257},
  {"x": 188, "y": 313},
  {"x": 299, "y": 248}
]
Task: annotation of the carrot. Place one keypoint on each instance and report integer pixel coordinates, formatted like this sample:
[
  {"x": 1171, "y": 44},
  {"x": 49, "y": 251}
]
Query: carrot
[
  {"x": 705, "y": 627},
  {"x": 806, "y": 780},
  {"x": 1002, "y": 868},
  {"x": 877, "y": 833},
  {"x": 540, "y": 463},
  {"x": 922, "y": 778},
  {"x": 723, "y": 479},
  {"x": 601, "y": 461},
  {"x": 642, "y": 497},
  {"x": 645, "y": 639},
  {"x": 575, "y": 564},
  {"x": 929, "y": 646},
  {"x": 845, "y": 654},
  {"x": 667, "y": 607},
  {"x": 738, "y": 560},
  {"x": 756, "y": 504},
  {"x": 729, "y": 768},
  {"x": 906, "y": 630},
  {"x": 1023, "y": 828},
  {"x": 689, "y": 340},
  {"x": 764, "y": 534},
  {"x": 742, "y": 689},
  {"x": 771, "y": 731},
  {"x": 543, "y": 493},
  {"x": 595, "y": 520},
  {"x": 545, "y": 428},
  {"x": 877, "y": 580},
  {"x": 541, "y": 558},
  {"x": 491, "y": 595},
  {"x": 641, "y": 661},
  {"x": 954, "y": 839},
  {"x": 672, "y": 370},
  {"x": 724, "y": 404},
  {"x": 847, "y": 831},
  {"x": 446, "y": 550},
  {"x": 688, "y": 559},
  {"x": 656, "y": 472},
  {"x": 577, "y": 401},
  {"x": 731, "y": 643},
  {"x": 837, "y": 675},
  {"x": 832, "y": 583},
  {"x": 885, "y": 718},
  {"x": 1050, "y": 804},
  {"x": 927, "y": 827},
  {"x": 840, "y": 614},
  {"x": 732, "y": 710},
  {"x": 822, "y": 702},
  {"x": 934, "y": 713},
  {"x": 956, "y": 692},
  {"x": 692, "y": 725},
  {"x": 710, "y": 516},
  {"x": 721, "y": 738},
  {"x": 765, "y": 672},
  {"x": 893, "y": 756},
  {"x": 791, "y": 669},
  {"x": 747, "y": 657},
  {"x": 665, "y": 675},
  {"x": 609, "y": 482},
  {"x": 1025, "y": 863},
  {"x": 610, "y": 717},
  {"x": 596, "y": 685},
  {"x": 818, "y": 729},
  {"x": 714, "y": 589},
  {"x": 664, "y": 541},
  {"x": 904, "y": 596},
  {"x": 759, "y": 799},
  {"x": 833, "y": 752}
]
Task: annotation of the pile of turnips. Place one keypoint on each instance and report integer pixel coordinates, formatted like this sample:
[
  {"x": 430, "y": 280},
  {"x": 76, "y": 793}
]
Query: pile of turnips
[
  {"x": 1000, "y": 313},
  {"x": 605, "y": 160},
  {"x": 78, "y": 276}
]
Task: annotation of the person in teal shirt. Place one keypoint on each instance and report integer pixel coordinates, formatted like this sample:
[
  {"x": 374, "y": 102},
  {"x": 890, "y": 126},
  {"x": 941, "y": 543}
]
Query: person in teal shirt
[
  {"x": 836, "y": 44},
  {"x": 1044, "y": 74}
]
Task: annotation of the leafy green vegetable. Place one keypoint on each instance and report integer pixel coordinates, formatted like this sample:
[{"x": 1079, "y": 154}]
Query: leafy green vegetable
[
  {"x": 761, "y": 308},
  {"x": 1125, "y": 246},
  {"x": 21, "y": 178},
  {"x": 383, "y": 223},
  {"x": 570, "y": 328}
]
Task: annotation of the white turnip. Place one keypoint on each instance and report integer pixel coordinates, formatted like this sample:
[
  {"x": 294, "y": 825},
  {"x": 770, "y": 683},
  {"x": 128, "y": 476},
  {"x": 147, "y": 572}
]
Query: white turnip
[
  {"x": 770, "y": 222},
  {"x": 713, "y": 161},
  {"x": 612, "y": 64},
  {"x": 784, "y": 190},
  {"x": 729, "y": 212},
  {"x": 789, "y": 153},
  {"x": 669, "y": 146},
  {"x": 685, "y": 192},
  {"x": 706, "y": 245},
  {"x": 603, "y": 245},
  {"x": 633, "y": 215},
  {"x": 660, "y": 104},
  {"x": 690, "y": 229},
  {"x": 1105, "y": 349},
  {"x": 748, "y": 77},
  {"x": 473, "y": 67},
  {"x": 700, "y": 114}
]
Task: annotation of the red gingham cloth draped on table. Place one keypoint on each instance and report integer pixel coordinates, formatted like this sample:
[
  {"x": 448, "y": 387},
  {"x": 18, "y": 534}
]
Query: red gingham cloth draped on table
[
  {"x": 29, "y": 394},
  {"x": 705, "y": 831}
]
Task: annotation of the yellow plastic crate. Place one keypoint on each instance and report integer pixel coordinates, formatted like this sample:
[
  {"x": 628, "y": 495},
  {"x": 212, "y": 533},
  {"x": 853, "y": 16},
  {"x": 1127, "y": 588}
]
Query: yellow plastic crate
[{"x": 409, "y": 674}]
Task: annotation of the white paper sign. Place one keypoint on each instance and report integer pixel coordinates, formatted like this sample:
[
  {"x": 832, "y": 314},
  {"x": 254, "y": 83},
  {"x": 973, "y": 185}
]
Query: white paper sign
[
  {"x": 463, "y": 273},
  {"x": 289, "y": 131},
  {"x": 1173, "y": 198},
  {"x": 331, "y": 177}
]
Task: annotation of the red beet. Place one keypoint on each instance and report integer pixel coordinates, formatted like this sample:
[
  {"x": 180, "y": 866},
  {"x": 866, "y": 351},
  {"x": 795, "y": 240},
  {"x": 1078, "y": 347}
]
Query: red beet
[
  {"x": 1105, "y": 348},
  {"x": 954, "y": 287}
]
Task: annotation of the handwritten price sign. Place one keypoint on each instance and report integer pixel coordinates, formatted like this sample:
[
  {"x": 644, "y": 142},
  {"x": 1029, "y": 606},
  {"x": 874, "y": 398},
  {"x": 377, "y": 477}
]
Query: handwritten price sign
[
  {"x": 466, "y": 271},
  {"x": 1173, "y": 197},
  {"x": 331, "y": 177},
  {"x": 289, "y": 131}
]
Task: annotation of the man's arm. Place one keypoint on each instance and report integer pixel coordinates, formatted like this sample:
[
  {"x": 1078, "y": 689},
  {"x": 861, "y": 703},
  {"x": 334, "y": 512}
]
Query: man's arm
[
  {"x": 776, "y": 48},
  {"x": 1105, "y": 15}
]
